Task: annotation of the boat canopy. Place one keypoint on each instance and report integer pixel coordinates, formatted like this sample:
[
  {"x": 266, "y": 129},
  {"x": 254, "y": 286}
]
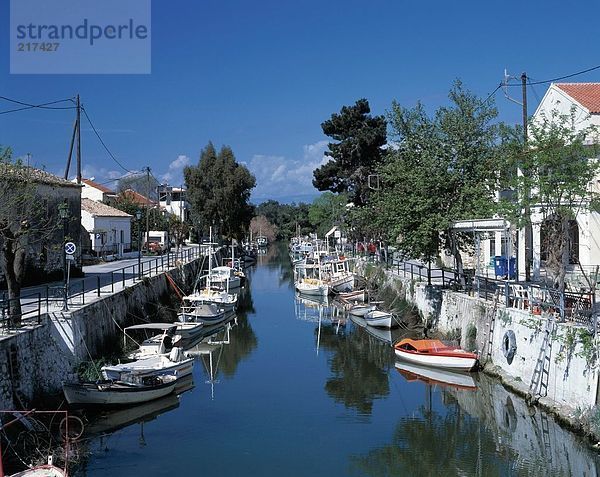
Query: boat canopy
[
  {"x": 152, "y": 326},
  {"x": 423, "y": 346}
]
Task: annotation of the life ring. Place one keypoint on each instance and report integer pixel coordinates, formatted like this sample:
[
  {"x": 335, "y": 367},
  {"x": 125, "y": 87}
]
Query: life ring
[{"x": 509, "y": 345}]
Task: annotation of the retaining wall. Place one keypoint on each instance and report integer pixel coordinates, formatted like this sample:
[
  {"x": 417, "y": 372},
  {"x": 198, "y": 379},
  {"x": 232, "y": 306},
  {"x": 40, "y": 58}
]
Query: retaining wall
[
  {"x": 573, "y": 377},
  {"x": 36, "y": 360}
]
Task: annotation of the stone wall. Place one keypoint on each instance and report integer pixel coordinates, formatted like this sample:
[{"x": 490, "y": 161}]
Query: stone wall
[
  {"x": 573, "y": 377},
  {"x": 36, "y": 360}
]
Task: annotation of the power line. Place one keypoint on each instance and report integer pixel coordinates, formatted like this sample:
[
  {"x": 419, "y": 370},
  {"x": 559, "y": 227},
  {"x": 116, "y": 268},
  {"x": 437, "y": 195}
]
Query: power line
[
  {"x": 560, "y": 77},
  {"x": 103, "y": 143},
  {"x": 26, "y": 106}
]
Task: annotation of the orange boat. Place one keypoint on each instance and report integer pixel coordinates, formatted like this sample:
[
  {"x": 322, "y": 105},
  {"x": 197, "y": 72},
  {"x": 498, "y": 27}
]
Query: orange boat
[{"x": 434, "y": 353}]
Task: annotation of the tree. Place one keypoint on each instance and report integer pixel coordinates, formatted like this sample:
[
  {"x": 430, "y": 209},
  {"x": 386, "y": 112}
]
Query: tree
[
  {"x": 441, "y": 171},
  {"x": 260, "y": 225},
  {"x": 25, "y": 219},
  {"x": 290, "y": 219},
  {"x": 326, "y": 211},
  {"x": 556, "y": 170},
  {"x": 219, "y": 192},
  {"x": 357, "y": 153}
]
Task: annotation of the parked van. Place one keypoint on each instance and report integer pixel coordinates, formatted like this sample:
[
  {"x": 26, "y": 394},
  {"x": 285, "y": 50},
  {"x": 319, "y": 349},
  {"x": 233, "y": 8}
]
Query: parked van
[{"x": 157, "y": 241}]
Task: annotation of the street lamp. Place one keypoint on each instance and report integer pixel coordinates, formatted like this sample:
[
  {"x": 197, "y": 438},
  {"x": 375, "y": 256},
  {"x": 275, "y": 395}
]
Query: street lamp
[
  {"x": 138, "y": 216},
  {"x": 63, "y": 212}
]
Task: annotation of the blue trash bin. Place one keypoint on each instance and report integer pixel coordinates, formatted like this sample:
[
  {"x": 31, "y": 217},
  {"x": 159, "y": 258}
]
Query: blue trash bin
[
  {"x": 500, "y": 266},
  {"x": 512, "y": 273}
]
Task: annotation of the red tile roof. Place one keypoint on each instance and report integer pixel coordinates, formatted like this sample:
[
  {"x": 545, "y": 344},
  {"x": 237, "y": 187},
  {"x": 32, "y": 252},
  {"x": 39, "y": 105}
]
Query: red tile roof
[
  {"x": 95, "y": 185},
  {"x": 137, "y": 198},
  {"x": 586, "y": 94}
]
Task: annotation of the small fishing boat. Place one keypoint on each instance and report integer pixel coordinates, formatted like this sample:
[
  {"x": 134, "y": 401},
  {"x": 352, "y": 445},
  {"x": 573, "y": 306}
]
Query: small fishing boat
[
  {"x": 220, "y": 298},
  {"x": 119, "y": 392},
  {"x": 361, "y": 309},
  {"x": 434, "y": 353},
  {"x": 205, "y": 313},
  {"x": 380, "y": 319},
  {"x": 354, "y": 296},
  {"x": 312, "y": 286},
  {"x": 225, "y": 278},
  {"x": 157, "y": 344},
  {"x": 175, "y": 364}
]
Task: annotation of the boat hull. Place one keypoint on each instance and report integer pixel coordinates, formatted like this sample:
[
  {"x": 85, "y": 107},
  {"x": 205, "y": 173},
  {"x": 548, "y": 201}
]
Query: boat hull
[
  {"x": 379, "y": 319},
  {"x": 361, "y": 310},
  {"x": 151, "y": 366},
  {"x": 114, "y": 394},
  {"x": 444, "y": 361}
]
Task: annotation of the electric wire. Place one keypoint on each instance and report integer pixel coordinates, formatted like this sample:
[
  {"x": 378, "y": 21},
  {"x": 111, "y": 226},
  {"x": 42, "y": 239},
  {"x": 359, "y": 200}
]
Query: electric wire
[
  {"x": 559, "y": 78},
  {"x": 26, "y": 106},
  {"x": 103, "y": 143}
]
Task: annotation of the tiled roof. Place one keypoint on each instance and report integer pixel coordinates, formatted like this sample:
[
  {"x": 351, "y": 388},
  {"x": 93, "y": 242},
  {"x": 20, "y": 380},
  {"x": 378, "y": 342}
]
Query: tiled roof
[
  {"x": 31, "y": 174},
  {"x": 586, "y": 94},
  {"x": 137, "y": 198},
  {"x": 95, "y": 185},
  {"x": 101, "y": 210}
]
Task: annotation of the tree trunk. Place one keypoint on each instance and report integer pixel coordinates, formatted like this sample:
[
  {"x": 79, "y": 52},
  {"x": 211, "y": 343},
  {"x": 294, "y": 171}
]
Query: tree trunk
[
  {"x": 564, "y": 253},
  {"x": 14, "y": 267}
]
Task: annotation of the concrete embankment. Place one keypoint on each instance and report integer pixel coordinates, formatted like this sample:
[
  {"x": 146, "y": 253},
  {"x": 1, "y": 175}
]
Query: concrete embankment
[
  {"x": 35, "y": 360},
  {"x": 554, "y": 366}
]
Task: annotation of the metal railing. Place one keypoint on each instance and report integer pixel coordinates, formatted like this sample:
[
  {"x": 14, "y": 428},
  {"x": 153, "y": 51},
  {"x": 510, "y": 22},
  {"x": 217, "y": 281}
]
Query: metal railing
[
  {"x": 576, "y": 307},
  {"x": 34, "y": 304}
]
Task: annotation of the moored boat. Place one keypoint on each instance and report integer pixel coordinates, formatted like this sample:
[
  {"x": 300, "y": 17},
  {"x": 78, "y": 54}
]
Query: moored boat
[
  {"x": 434, "y": 353},
  {"x": 312, "y": 286},
  {"x": 378, "y": 318},
  {"x": 175, "y": 364},
  {"x": 361, "y": 309},
  {"x": 118, "y": 392}
]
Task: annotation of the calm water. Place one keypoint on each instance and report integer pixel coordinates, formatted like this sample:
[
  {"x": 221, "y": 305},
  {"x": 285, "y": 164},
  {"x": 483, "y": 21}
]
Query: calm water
[{"x": 301, "y": 391}]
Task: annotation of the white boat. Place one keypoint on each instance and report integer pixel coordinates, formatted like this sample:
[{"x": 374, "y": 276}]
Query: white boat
[
  {"x": 225, "y": 278},
  {"x": 41, "y": 471},
  {"x": 312, "y": 286},
  {"x": 434, "y": 353},
  {"x": 157, "y": 344},
  {"x": 204, "y": 313},
  {"x": 175, "y": 364},
  {"x": 359, "y": 296},
  {"x": 221, "y": 298},
  {"x": 118, "y": 392},
  {"x": 336, "y": 273},
  {"x": 361, "y": 309},
  {"x": 189, "y": 331},
  {"x": 436, "y": 376},
  {"x": 380, "y": 334},
  {"x": 382, "y": 319}
]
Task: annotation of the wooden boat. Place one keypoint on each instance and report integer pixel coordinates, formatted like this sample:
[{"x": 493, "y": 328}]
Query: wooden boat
[
  {"x": 436, "y": 354},
  {"x": 312, "y": 287},
  {"x": 437, "y": 376},
  {"x": 354, "y": 296},
  {"x": 175, "y": 364},
  {"x": 380, "y": 319},
  {"x": 361, "y": 309},
  {"x": 115, "y": 393},
  {"x": 158, "y": 344}
]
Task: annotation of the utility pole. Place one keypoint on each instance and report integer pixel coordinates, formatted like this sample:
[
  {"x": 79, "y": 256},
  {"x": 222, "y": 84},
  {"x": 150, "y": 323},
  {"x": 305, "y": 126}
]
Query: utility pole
[
  {"x": 147, "y": 204},
  {"x": 78, "y": 141},
  {"x": 526, "y": 173}
]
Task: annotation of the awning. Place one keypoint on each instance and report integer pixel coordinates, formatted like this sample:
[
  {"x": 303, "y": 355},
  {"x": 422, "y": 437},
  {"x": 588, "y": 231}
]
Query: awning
[
  {"x": 331, "y": 232},
  {"x": 482, "y": 225},
  {"x": 152, "y": 326}
]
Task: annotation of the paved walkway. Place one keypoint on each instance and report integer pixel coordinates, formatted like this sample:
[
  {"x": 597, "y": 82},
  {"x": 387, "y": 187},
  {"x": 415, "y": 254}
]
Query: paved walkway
[{"x": 100, "y": 281}]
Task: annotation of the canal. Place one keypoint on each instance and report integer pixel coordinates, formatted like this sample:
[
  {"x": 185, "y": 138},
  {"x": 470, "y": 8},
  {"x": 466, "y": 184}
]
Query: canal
[{"x": 295, "y": 388}]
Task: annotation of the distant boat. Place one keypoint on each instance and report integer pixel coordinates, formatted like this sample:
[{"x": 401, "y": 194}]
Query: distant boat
[
  {"x": 262, "y": 241},
  {"x": 114, "y": 393},
  {"x": 436, "y": 354}
]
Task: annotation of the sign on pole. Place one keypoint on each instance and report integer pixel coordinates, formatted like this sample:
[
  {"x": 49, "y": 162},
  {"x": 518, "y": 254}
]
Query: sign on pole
[{"x": 70, "y": 248}]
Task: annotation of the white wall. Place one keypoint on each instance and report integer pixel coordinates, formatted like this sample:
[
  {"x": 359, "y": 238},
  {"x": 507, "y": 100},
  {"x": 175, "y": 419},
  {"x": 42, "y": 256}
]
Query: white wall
[
  {"x": 88, "y": 192},
  {"x": 112, "y": 226}
]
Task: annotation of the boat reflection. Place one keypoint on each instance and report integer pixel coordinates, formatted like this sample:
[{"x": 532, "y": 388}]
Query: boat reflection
[
  {"x": 381, "y": 334},
  {"x": 414, "y": 372}
]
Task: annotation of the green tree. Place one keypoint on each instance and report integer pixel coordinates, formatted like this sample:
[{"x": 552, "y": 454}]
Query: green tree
[
  {"x": 356, "y": 153},
  {"x": 219, "y": 192},
  {"x": 441, "y": 170},
  {"x": 25, "y": 220},
  {"x": 557, "y": 167},
  {"x": 326, "y": 211}
]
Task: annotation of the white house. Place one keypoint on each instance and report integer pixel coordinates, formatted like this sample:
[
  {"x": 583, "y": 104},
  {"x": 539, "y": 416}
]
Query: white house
[
  {"x": 98, "y": 192},
  {"x": 173, "y": 200},
  {"x": 109, "y": 228},
  {"x": 581, "y": 101}
]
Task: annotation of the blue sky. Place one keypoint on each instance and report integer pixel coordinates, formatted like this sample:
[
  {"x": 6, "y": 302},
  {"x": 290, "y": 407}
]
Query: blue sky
[{"x": 261, "y": 77}]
